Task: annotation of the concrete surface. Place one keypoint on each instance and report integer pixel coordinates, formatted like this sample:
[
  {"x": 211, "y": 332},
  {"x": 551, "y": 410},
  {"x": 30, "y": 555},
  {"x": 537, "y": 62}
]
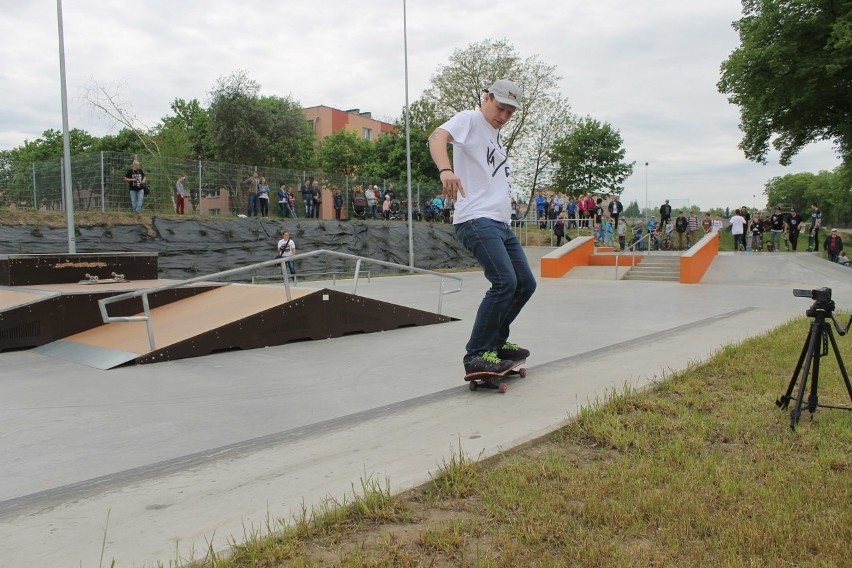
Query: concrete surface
[{"x": 172, "y": 457}]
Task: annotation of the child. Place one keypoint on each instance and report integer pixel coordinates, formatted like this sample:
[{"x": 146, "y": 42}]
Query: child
[
  {"x": 622, "y": 231},
  {"x": 559, "y": 229},
  {"x": 843, "y": 260}
]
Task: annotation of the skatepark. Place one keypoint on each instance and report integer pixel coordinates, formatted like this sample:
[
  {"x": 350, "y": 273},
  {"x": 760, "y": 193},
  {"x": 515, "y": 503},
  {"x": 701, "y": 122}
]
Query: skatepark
[{"x": 172, "y": 457}]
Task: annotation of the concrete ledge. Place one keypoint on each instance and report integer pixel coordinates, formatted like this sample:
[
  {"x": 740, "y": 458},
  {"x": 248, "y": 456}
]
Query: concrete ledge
[
  {"x": 695, "y": 262},
  {"x": 576, "y": 252}
]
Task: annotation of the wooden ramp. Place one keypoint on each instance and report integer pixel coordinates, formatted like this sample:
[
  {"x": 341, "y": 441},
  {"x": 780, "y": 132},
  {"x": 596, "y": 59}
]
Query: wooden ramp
[{"x": 235, "y": 317}]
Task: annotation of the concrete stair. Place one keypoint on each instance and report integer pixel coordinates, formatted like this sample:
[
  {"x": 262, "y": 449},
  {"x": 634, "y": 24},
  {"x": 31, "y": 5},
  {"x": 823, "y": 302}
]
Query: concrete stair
[{"x": 659, "y": 267}]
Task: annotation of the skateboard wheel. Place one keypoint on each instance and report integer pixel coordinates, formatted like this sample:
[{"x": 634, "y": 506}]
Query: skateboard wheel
[
  {"x": 522, "y": 372},
  {"x": 503, "y": 388},
  {"x": 472, "y": 385}
]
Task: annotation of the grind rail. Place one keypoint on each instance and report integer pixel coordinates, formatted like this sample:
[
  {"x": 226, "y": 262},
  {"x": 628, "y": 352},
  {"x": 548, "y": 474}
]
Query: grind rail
[{"x": 282, "y": 262}]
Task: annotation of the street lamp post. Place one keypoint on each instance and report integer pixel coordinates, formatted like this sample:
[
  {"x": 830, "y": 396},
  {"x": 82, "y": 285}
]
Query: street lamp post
[{"x": 647, "y": 205}]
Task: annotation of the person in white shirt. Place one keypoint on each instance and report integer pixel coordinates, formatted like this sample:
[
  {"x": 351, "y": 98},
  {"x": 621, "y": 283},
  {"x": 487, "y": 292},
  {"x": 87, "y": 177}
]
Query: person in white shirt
[
  {"x": 738, "y": 224},
  {"x": 479, "y": 182},
  {"x": 286, "y": 249}
]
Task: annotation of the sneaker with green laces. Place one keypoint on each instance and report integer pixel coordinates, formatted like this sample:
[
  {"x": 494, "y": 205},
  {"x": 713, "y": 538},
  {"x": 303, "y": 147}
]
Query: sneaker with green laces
[
  {"x": 513, "y": 352},
  {"x": 487, "y": 362}
]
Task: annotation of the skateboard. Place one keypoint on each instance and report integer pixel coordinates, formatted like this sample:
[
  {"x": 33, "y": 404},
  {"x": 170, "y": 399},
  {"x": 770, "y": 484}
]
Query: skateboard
[
  {"x": 92, "y": 279},
  {"x": 492, "y": 380}
]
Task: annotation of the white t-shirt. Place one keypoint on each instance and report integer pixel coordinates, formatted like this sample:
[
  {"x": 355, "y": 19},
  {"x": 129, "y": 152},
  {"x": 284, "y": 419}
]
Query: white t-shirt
[
  {"x": 737, "y": 225},
  {"x": 286, "y": 247},
  {"x": 480, "y": 161}
]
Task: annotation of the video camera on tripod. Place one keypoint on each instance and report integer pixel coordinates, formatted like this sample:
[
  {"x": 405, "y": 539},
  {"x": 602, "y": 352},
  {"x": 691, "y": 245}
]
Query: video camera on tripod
[{"x": 816, "y": 346}]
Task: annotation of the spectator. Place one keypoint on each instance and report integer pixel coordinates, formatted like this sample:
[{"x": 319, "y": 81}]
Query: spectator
[
  {"x": 180, "y": 194},
  {"x": 738, "y": 223},
  {"x": 559, "y": 229},
  {"x": 386, "y": 203},
  {"x": 794, "y": 226},
  {"x": 286, "y": 249},
  {"x": 716, "y": 224},
  {"x": 843, "y": 260},
  {"x": 776, "y": 228},
  {"x": 316, "y": 196},
  {"x": 833, "y": 246},
  {"x": 665, "y": 213},
  {"x": 615, "y": 208},
  {"x": 136, "y": 183},
  {"x": 757, "y": 230},
  {"x": 337, "y": 199},
  {"x": 622, "y": 232},
  {"x": 263, "y": 197},
  {"x": 681, "y": 225},
  {"x": 372, "y": 199},
  {"x": 252, "y": 183},
  {"x": 283, "y": 201},
  {"x": 813, "y": 232},
  {"x": 307, "y": 197},
  {"x": 691, "y": 228},
  {"x": 707, "y": 224}
]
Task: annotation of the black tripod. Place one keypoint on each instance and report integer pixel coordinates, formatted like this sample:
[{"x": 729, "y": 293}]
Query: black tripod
[{"x": 816, "y": 346}]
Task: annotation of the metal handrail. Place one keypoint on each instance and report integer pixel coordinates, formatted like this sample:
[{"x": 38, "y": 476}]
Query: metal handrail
[
  {"x": 282, "y": 262},
  {"x": 632, "y": 250}
]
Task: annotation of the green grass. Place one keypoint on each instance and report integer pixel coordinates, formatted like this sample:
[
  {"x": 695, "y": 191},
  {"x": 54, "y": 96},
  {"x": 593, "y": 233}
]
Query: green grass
[{"x": 700, "y": 470}]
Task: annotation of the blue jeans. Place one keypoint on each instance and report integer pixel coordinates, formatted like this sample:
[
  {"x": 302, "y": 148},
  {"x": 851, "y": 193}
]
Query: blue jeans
[
  {"x": 502, "y": 258},
  {"x": 137, "y": 196},
  {"x": 252, "y": 205}
]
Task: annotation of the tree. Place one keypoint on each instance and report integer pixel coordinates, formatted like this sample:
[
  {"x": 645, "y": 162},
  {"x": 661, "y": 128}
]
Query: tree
[
  {"x": 108, "y": 100},
  {"x": 187, "y": 133},
  {"x": 344, "y": 153},
  {"x": 792, "y": 76},
  {"x": 632, "y": 210},
  {"x": 828, "y": 189},
  {"x": 248, "y": 129},
  {"x": 590, "y": 160},
  {"x": 459, "y": 85}
]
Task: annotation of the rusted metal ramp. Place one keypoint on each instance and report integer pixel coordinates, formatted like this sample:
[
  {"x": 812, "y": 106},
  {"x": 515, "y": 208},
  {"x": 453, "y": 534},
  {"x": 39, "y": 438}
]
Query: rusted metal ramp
[{"x": 235, "y": 317}]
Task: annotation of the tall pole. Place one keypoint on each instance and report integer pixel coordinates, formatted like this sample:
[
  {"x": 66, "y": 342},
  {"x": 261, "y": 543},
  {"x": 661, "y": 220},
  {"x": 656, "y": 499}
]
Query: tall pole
[
  {"x": 408, "y": 142},
  {"x": 647, "y": 205},
  {"x": 66, "y": 138}
]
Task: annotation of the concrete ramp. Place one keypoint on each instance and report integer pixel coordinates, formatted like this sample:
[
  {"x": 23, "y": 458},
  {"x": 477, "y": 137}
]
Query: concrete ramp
[{"x": 235, "y": 317}]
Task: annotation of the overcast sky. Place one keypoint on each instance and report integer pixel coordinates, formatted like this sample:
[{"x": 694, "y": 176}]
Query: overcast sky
[{"x": 648, "y": 68}]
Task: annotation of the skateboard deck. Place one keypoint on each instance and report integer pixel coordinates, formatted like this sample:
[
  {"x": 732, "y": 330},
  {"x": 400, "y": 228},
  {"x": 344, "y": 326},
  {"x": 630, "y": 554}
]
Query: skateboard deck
[
  {"x": 92, "y": 279},
  {"x": 492, "y": 380}
]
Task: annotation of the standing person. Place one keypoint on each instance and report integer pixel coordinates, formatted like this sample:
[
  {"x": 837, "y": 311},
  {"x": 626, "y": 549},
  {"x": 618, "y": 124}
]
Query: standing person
[
  {"x": 180, "y": 194},
  {"x": 707, "y": 224},
  {"x": 691, "y": 228},
  {"x": 559, "y": 229},
  {"x": 756, "y": 230},
  {"x": 716, "y": 224},
  {"x": 286, "y": 249},
  {"x": 252, "y": 182},
  {"x": 776, "y": 228},
  {"x": 615, "y": 208},
  {"x": 833, "y": 246},
  {"x": 794, "y": 225},
  {"x": 337, "y": 198},
  {"x": 813, "y": 232},
  {"x": 622, "y": 232},
  {"x": 371, "y": 197},
  {"x": 136, "y": 181},
  {"x": 263, "y": 197},
  {"x": 283, "y": 202},
  {"x": 480, "y": 184},
  {"x": 386, "y": 207},
  {"x": 680, "y": 225},
  {"x": 665, "y": 213},
  {"x": 738, "y": 224},
  {"x": 571, "y": 208},
  {"x": 316, "y": 195},
  {"x": 307, "y": 197}
]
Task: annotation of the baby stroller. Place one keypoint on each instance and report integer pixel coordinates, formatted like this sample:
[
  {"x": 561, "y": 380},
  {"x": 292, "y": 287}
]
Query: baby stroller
[
  {"x": 395, "y": 210},
  {"x": 359, "y": 206}
]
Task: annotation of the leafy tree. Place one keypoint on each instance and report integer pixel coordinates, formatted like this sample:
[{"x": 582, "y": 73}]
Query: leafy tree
[
  {"x": 459, "y": 85},
  {"x": 632, "y": 210},
  {"x": 792, "y": 76},
  {"x": 49, "y": 146},
  {"x": 187, "y": 133},
  {"x": 389, "y": 158},
  {"x": 590, "y": 159},
  {"x": 828, "y": 189},
  {"x": 248, "y": 129},
  {"x": 344, "y": 153}
]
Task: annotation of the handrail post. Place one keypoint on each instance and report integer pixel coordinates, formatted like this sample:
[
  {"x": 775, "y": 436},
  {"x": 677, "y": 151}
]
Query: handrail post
[
  {"x": 148, "y": 325},
  {"x": 357, "y": 275},
  {"x": 286, "y": 280}
]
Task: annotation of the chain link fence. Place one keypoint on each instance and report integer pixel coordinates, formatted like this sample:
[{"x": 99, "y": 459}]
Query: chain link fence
[{"x": 212, "y": 188}]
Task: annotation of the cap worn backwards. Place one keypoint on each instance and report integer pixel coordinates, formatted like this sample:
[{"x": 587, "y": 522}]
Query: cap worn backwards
[{"x": 507, "y": 93}]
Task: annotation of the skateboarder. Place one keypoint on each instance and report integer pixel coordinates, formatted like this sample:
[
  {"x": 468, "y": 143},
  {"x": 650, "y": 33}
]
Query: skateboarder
[{"x": 478, "y": 180}]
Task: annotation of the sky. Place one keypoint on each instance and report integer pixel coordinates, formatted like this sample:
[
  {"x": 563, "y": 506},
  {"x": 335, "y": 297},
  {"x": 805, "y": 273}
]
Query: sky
[{"x": 649, "y": 69}]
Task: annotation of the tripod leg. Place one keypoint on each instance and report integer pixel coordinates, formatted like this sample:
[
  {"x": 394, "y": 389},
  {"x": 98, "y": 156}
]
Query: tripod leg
[
  {"x": 813, "y": 397},
  {"x": 840, "y": 364},
  {"x": 813, "y": 341},
  {"x": 784, "y": 399}
]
